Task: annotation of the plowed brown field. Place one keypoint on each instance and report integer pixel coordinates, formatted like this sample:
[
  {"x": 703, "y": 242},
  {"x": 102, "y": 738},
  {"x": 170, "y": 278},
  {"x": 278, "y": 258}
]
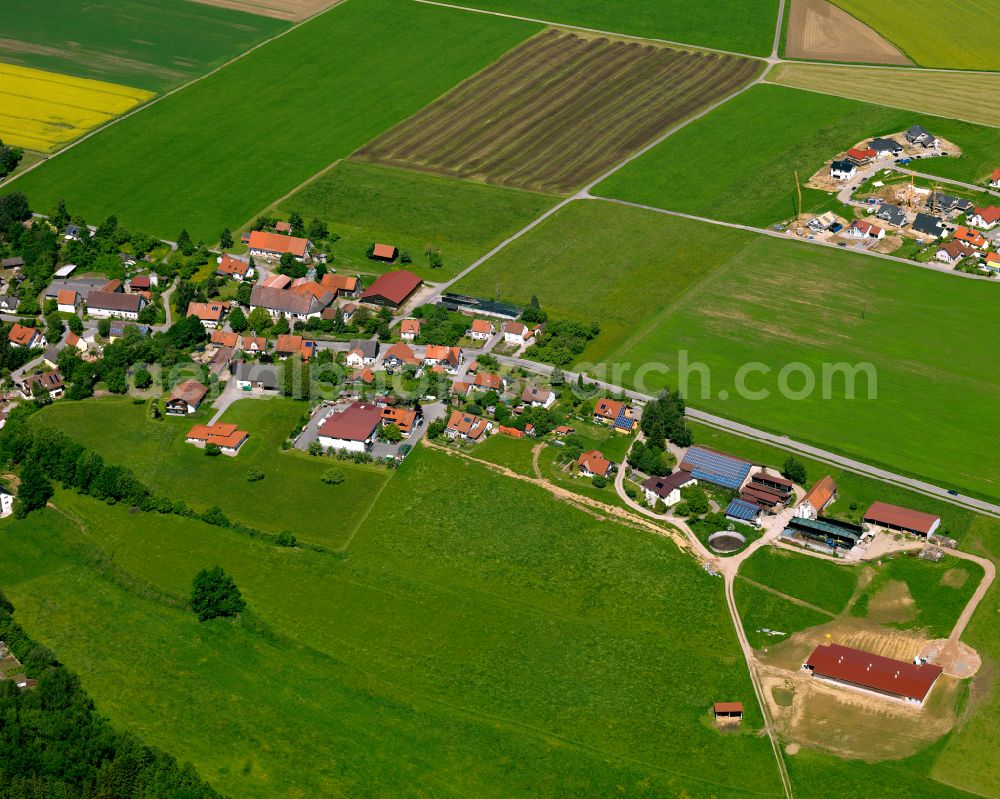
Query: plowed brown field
[
  {"x": 294, "y": 10},
  {"x": 559, "y": 110}
]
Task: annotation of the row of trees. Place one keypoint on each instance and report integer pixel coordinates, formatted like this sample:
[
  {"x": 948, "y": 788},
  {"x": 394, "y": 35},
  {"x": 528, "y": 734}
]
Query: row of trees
[{"x": 55, "y": 745}]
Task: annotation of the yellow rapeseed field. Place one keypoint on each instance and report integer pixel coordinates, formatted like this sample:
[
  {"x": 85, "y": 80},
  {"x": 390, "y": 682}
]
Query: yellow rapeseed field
[{"x": 44, "y": 110}]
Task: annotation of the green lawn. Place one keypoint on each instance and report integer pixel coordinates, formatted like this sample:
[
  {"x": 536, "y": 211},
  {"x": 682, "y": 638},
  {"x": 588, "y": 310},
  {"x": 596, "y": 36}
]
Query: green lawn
[
  {"x": 238, "y": 140},
  {"x": 940, "y": 591},
  {"x": 152, "y": 44},
  {"x": 728, "y": 25},
  {"x": 158, "y": 454},
  {"x": 926, "y": 30},
  {"x": 514, "y": 453},
  {"x": 760, "y": 610},
  {"x": 821, "y": 583},
  {"x": 738, "y": 164},
  {"x": 665, "y": 290},
  {"x": 479, "y": 639},
  {"x": 363, "y": 203}
]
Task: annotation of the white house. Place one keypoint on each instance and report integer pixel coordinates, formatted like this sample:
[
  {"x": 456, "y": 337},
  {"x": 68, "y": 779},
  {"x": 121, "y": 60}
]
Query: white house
[
  {"x": 294, "y": 305},
  {"x": 409, "y": 329},
  {"x": 865, "y": 230},
  {"x": 352, "y": 429},
  {"x": 986, "y": 218},
  {"x": 843, "y": 170},
  {"x": 668, "y": 488},
  {"x": 538, "y": 397},
  {"x": 363, "y": 352},
  {"x": 67, "y": 301},
  {"x": 817, "y": 499},
  {"x": 108, "y": 304},
  {"x": 271, "y": 246},
  {"x": 6, "y": 503},
  {"x": 516, "y": 333},
  {"x": 481, "y": 330}
]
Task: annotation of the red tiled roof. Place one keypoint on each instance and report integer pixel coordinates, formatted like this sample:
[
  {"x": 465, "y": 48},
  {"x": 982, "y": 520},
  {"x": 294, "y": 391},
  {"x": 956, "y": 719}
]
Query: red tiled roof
[
  {"x": 394, "y": 287},
  {"x": 884, "y": 514},
  {"x": 224, "y": 338},
  {"x": 191, "y": 391},
  {"x": 608, "y": 408},
  {"x": 821, "y": 493},
  {"x": 481, "y": 326},
  {"x": 20, "y": 334},
  {"x": 410, "y": 326},
  {"x": 288, "y": 344},
  {"x": 276, "y": 243},
  {"x": 384, "y": 251},
  {"x": 206, "y": 311},
  {"x": 229, "y": 265},
  {"x": 403, "y": 418},
  {"x": 221, "y": 434},
  {"x": 276, "y": 281},
  {"x": 728, "y": 707},
  {"x": 990, "y": 214},
  {"x": 66, "y": 297},
  {"x": 594, "y": 462},
  {"x": 879, "y": 673},
  {"x": 337, "y": 283},
  {"x": 468, "y": 425},
  {"x": 355, "y": 423},
  {"x": 488, "y": 381}
]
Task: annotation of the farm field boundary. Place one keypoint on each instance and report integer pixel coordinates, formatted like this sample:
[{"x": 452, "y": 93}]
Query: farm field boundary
[
  {"x": 819, "y": 30},
  {"x": 215, "y": 181},
  {"x": 152, "y": 44},
  {"x": 294, "y": 10},
  {"x": 970, "y": 98},
  {"x": 559, "y": 111},
  {"x": 955, "y": 35},
  {"x": 43, "y": 110},
  {"x": 728, "y": 27}
]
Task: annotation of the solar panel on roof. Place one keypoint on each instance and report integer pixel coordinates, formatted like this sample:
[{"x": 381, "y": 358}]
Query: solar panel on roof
[
  {"x": 716, "y": 468},
  {"x": 738, "y": 509},
  {"x": 622, "y": 419}
]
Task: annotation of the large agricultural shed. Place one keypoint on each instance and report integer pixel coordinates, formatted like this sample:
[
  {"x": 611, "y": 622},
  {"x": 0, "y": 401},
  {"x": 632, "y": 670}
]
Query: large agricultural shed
[
  {"x": 905, "y": 520},
  {"x": 894, "y": 678}
]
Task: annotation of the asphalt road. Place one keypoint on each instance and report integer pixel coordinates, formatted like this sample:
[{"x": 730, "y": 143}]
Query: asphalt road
[{"x": 816, "y": 453}]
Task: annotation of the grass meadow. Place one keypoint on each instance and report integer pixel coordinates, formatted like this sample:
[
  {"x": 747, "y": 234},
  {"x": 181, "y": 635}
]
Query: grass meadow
[
  {"x": 821, "y": 583},
  {"x": 159, "y": 455},
  {"x": 727, "y": 25},
  {"x": 480, "y": 639},
  {"x": 940, "y": 591},
  {"x": 738, "y": 164},
  {"x": 249, "y": 134},
  {"x": 460, "y": 219},
  {"x": 760, "y": 610},
  {"x": 153, "y": 44},
  {"x": 956, "y": 36},
  {"x": 514, "y": 453},
  {"x": 972, "y": 97},
  {"x": 666, "y": 289}
]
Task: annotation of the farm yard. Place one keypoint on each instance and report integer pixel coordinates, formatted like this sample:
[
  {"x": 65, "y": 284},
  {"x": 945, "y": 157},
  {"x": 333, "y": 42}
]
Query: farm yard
[
  {"x": 754, "y": 184},
  {"x": 730, "y": 298},
  {"x": 820, "y": 31},
  {"x": 217, "y": 181},
  {"x": 151, "y": 44},
  {"x": 558, "y": 111},
  {"x": 726, "y": 25},
  {"x": 965, "y": 31},
  {"x": 975, "y": 97},
  {"x": 445, "y": 653},
  {"x": 158, "y": 452},
  {"x": 416, "y": 212},
  {"x": 43, "y": 111}
]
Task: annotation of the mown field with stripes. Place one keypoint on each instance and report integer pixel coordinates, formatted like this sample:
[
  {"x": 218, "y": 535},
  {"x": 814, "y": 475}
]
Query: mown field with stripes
[{"x": 559, "y": 110}]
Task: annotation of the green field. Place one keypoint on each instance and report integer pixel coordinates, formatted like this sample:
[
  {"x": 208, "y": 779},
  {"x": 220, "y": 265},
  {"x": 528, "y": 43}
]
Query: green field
[
  {"x": 953, "y": 35},
  {"x": 152, "y": 44},
  {"x": 727, "y": 25},
  {"x": 760, "y": 609},
  {"x": 514, "y": 453},
  {"x": 462, "y": 220},
  {"x": 940, "y": 591},
  {"x": 665, "y": 289},
  {"x": 518, "y": 651},
  {"x": 158, "y": 454},
  {"x": 737, "y": 165},
  {"x": 221, "y": 150},
  {"x": 821, "y": 583}
]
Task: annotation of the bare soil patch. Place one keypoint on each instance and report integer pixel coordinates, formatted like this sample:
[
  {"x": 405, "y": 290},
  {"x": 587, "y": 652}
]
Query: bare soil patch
[
  {"x": 293, "y": 10},
  {"x": 819, "y": 30},
  {"x": 892, "y": 603},
  {"x": 954, "y": 578},
  {"x": 559, "y": 110}
]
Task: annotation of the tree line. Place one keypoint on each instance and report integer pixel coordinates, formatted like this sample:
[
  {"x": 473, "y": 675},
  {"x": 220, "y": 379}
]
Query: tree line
[{"x": 55, "y": 745}]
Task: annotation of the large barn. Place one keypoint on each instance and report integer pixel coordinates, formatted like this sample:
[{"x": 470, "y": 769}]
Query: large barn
[
  {"x": 905, "y": 520},
  {"x": 898, "y": 679}
]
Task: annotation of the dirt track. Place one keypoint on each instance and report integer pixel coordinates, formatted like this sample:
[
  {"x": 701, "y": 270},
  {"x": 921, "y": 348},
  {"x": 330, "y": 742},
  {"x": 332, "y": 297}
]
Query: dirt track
[
  {"x": 293, "y": 10},
  {"x": 819, "y": 30},
  {"x": 559, "y": 110}
]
